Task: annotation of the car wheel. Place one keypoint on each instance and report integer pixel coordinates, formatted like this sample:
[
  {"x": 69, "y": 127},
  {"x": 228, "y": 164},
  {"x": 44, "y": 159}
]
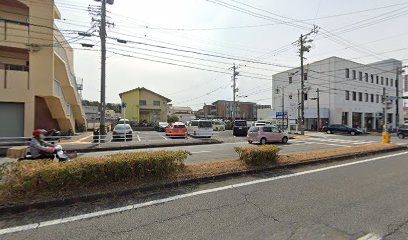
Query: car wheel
[
  {"x": 216, "y": 129},
  {"x": 329, "y": 132},
  {"x": 249, "y": 141},
  {"x": 401, "y": 136},
  {"x": 352, "y": 133},
  {"x": 285, "y": 140},
  {"x": 262, "y": 141}
]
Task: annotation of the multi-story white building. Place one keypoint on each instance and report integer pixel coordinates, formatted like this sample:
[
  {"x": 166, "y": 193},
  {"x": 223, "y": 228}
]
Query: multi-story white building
[{"x": 350, "y": 93}]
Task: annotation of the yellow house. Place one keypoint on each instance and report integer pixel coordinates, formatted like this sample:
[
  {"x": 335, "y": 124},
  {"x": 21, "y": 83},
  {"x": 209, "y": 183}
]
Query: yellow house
[
  {"x": 143, "y": 105},
  {"x": 38, "y": 88}
]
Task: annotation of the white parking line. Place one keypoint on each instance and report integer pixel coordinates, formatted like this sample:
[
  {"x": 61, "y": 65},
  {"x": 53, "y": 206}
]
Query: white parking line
[
  {"x": 370, "y": 236},
  {"x": 138, "y": 138},
  {"x": 182, "y": 196},
  {"x": 164, "y": 138}
]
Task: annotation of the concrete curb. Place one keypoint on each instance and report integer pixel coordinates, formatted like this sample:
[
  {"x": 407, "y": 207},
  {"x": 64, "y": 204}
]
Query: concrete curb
[
  {"x": 93, "y": 197},
  {"x": 115, "y": 148}
]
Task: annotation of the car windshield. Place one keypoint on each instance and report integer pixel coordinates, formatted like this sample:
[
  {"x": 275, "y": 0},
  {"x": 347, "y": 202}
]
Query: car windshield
[
  {"x": 163, "y": 124},
  {"x": 240, "y": 123},
  {"x": 204, "y": 124},
  {"x": 179, "y": 126},
  {"x": 122, "y": 127}
]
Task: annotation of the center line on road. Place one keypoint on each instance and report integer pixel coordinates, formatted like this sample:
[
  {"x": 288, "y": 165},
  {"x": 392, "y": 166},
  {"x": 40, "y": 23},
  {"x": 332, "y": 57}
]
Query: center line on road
[{"x": 181, "y": 196}]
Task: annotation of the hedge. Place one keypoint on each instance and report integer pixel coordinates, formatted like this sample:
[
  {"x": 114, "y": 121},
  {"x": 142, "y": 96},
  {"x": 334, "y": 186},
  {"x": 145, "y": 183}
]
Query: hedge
[
  {"x": 30, "y": 176},
  {"x": 259, "y": 155}
]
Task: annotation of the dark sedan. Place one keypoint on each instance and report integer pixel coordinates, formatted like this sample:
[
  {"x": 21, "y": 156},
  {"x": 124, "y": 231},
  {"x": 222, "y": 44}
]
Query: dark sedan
[
  {"x": 402, "y": 131},
  {"x": 339, "y": 128}
]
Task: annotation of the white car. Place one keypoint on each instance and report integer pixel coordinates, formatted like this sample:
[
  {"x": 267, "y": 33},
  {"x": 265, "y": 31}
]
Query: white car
[{"x": 200, "y": 128}]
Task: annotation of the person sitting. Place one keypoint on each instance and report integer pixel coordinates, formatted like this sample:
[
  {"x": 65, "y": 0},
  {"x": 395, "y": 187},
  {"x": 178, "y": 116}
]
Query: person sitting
[{"x": 39, "y": 148}]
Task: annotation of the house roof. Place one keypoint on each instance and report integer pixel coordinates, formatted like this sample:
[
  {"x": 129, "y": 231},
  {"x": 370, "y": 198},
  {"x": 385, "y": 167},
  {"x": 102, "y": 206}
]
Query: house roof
[{"x": 145, "y": 89}]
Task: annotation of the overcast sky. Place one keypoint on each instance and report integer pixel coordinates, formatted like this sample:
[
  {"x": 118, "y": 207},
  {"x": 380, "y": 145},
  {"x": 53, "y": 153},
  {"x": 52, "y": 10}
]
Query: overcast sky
[{"x": 194, "y": 25}]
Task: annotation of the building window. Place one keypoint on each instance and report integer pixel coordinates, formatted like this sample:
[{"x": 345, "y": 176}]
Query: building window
[
  {"x": 376, "y": 79},
  {"x": 142, "y": 102},
  {"x": 156, "y": 103},
  {"x": 372, "y": 98},
  {"x": 360, "y": 76},
  {"x": 347, "y": 95},
  {"x": 305, "y": 96},
  {"x": 344, "y": 118},
  {"x": 360, "y": 96},
  {"x": 392, "y": 82},
  {"x": 366, "y": 77},
  {"x": 386, "y": 81},
  {"x": 382, "y": 80},
  {"x": 347, "y": 73},
  {"x": 366, "y": 97},
  {"x": 377, "y": 98},
  {"x": 372, "y": 78},
  {"x": 354, "y": 74},
  {"x": 354, "y": 96},
  {"x": 305, "y": 76},
  {"x": 290, "y": 80}
]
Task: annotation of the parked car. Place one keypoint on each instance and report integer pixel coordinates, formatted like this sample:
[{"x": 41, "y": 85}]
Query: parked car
[
  {"x": 122, "y": 132},
  {"x": 262, "y": 123},
  {"x": 177, "y": 130},
  {"x": 218, "y": 125},
  {"x": 402, "y": 131},
  {"x": 266, "y": 134},
  {"x": 200, "y": 128},
  {"x": 240, "y": 128},
  {"x": 161, "y": 127},
  {"x": 339, "y": 128},
  {"x": 123, "y": 121}
]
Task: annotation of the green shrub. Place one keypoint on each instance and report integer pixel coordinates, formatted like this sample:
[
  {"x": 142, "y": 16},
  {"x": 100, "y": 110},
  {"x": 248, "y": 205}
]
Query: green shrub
[
  {"x": 84, "y": 172},
  {"x": 259, "y": 155}
]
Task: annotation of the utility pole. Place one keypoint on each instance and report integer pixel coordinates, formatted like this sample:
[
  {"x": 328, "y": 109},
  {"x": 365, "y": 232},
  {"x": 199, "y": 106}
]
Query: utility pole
[
  {"x": 298, "y": 111},
  {"x": 234, "y": 91},
  {"x": 398, "y": 72},
  {"x": 283, "y": 107},
  {"x": 384, "y": 110},
  {"x": 302, "y": 88},
  {"x": 302, "y": 40},
  {"x": 102, "y": 35},
  {"x": 318, "y": 110}
]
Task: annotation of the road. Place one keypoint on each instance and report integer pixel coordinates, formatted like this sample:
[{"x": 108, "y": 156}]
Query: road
[
  {"x": 343, "y": 200},
  {"x": 225, "y": 151}
]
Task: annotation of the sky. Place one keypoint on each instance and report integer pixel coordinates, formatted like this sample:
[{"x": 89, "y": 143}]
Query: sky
[{"x": 265, "y": 33}]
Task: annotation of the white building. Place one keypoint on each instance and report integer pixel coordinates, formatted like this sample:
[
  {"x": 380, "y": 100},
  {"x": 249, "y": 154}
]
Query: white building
[
  {"x": 183, "y": 113},
  {"x": 350, "y": 93}
]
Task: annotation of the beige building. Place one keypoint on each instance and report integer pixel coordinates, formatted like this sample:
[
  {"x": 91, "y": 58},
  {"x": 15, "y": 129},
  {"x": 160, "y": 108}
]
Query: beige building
[
  {"x": 144, "y": 106},
  {"x": 37, "y": 83}
]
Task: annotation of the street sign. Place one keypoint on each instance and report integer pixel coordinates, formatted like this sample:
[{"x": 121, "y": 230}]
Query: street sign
[
  {"x": 279, "y": 114},
  {"x": 123, "y": 105}
]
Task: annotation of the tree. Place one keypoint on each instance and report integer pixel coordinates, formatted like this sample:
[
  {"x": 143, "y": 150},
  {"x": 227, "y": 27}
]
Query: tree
[{"x": 172, "y": 118}]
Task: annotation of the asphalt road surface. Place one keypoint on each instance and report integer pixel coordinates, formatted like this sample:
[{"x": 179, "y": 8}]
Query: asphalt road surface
[
  {"x": 363, "y": 198},
  {"x": 225, "y": 151}
]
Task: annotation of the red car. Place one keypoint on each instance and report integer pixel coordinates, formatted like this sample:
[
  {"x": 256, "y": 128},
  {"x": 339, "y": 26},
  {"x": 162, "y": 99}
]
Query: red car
[{"x": 177, "y": 130}]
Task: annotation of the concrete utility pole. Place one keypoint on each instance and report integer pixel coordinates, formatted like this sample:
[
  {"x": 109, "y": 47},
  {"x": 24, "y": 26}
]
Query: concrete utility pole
[
  {"x": 302, "y": 88},
  {"x": 384, "y": 110},
  {"x": 234, "y": 91},
  {"x": 318, "y": 110},
  {"x": 102, "y": 35},
  {"x": 302, "y": 40},
  {"x": 283, "y": 107},
  {"x": 398, "y": 72}
]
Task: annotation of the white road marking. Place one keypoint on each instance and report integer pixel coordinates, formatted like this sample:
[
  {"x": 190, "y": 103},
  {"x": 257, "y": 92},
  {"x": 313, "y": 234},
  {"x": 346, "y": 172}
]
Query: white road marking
[
  {"x": 164, "y": 138},
  {"x": 201, "y": 152},
  {"x": 330, "y": 144},
  {"x": 138, "y": 138},
  {"x": 182, "y": 196},
  {"x": 370, "y": 236}
]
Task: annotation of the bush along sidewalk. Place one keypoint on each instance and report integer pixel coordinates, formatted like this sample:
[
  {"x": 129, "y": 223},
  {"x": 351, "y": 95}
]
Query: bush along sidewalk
[
  {"x": 259, "y": 155},
  {"x": 28, "y": 178}
]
